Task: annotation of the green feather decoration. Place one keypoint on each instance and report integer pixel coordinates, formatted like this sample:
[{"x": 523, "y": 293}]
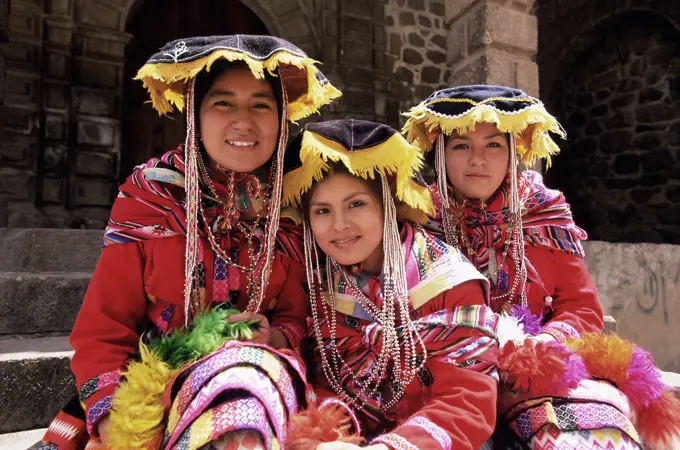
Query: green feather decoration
[{"x": 208, "y": 332}]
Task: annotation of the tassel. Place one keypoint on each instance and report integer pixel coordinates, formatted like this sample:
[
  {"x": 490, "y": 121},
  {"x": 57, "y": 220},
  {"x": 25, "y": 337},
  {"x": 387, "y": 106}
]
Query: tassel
[
  {"x": 542, "y": 368},
  {"x": 318, "y": 424}
]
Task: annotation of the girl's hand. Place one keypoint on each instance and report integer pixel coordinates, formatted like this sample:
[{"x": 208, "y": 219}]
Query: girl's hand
[{"x": 103, "y": 428}]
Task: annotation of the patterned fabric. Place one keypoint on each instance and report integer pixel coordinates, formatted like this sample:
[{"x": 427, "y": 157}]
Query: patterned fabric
[
  {"x": 238, "y": 388},
  {"x": 67, "y": 431},
  {"x": 238, "y": 440},
  {"x": 461, "y": 337},
  {"x": 432, "y": 267},
  {"x": 546, "y": 219},
  {"x": 156, "y": 189},
  {"x": 551, "y": 438},
  {"x": 395, "y": 441},
  {"x": 432, "y": 429},
  {"x": 97, "y": 383}
]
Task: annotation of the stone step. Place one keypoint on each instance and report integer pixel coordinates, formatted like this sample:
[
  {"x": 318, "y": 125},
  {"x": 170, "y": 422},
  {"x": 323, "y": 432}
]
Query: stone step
[
  {"x": 49, "y": 250},
  {"x": 22, "y": 440},
  {"x": 40, "y": 302},
  {"x": 35, "y": 381}
]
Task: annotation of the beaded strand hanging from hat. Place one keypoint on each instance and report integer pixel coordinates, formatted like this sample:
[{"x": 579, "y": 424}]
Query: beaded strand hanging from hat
[
  {"x": 169, "y": 75},
  {"x": 367, "y": 150}
]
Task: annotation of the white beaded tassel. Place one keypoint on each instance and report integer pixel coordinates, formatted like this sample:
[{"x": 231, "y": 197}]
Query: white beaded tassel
[
  {"x": 272, "y": 225},
  {"x": 517, "y": 237},
  {"x": 440, "y": 169},
  {"x": 192, "y": 203}
]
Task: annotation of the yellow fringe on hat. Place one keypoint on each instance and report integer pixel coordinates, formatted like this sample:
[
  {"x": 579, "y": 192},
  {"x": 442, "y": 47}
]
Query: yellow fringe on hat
[
  {"x": 138, "y": 412},
  {"x": 166, "y": 82},
  {"x": 393, "y": 156},
  {"x": 423, "y": 125}
]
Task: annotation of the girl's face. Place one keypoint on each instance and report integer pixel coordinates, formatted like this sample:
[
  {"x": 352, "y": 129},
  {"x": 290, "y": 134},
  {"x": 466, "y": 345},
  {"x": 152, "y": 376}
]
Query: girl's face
[
  {"x": 239, "y": 120},
  {"x": 346, "y": 218},
  {"x": 476, "y": 162}
]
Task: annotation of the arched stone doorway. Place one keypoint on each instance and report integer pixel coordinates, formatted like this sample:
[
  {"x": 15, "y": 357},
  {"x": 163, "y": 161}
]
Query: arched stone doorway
[
  {"x": 612, "y": 78},
  {"x": 152, "y": 23}
]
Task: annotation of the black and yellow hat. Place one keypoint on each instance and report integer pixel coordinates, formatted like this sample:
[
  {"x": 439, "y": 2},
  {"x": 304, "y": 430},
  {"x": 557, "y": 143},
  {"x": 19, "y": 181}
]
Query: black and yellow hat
[
  {"x": 366, "y": 149},
  {"x": 166, "y": 74},
  {"x": 459, "y": 109}
]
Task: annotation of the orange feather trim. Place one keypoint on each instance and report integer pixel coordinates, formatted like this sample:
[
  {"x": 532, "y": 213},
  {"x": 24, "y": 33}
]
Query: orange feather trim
[
  {"x": 316, "y": 425},
  {"x": 606, "y": 356}
]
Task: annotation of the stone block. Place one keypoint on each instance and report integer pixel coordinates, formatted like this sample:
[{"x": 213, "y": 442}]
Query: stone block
[
  {"x": 494, "y": 24},
  {"x": 55, "y": 127},
  {"x": 58, "y": 65},
  {"x": 22, "y": 56},
  {"x": 281, "y": 7},
  {"x": 360, "y": 8},
  {"x": 101, "y": 14},
  {"x": 92, "y": 192},
  {"x": 455, "y": 8},
  {"x": 639, "y": 284},
  {"x": 97, "y": 73},
  {"x": 357, "y": 55},
  {"x": 21, "y": 89},
  {"x": 17, "y": 184},
  {"x": 96, "y": 133},
  {"x": 19, "y": 121},
  {"x": 359, "y": 101},
  {"x": 59, "y": 33},
  {"x": 35, "y": 380},
  {"x": 61, "y": 7},
  {"x": 25, "y": 215},
  {"x": 97, "y": 164},
  {"x": 295, "y": 27},
  {"x": 53, "y": 190},
  {"x": 25, "y": 24},
  {"x": 358, "y": 30},
  {"x": 527, "y": 76},
  {"x": 110, "y": 46},
  {"x": 41, "y": 302},
  {"x": 456, "y": 42},
  {"x": 474, "y": 72},
  {"x": 18, "y": 151},
  {"x": 95, "y": 103},
  {"x": 55, "y": 159},
  {"x": 56, "y": 96}
]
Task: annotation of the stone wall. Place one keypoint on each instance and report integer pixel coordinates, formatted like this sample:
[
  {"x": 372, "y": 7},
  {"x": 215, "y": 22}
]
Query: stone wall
[
  {"x": 612, "y": 76},
  {"x": 60, "y": 154},
  {"x": 416, "y": 37},
  {"x": 639, "y": 285}
]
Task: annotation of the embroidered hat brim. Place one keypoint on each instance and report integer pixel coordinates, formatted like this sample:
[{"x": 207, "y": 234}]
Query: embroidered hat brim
[
  {"x": 459, "y": 109},
  {"x": 367, "y": 150},
  {"x": 166, "y": 73}
]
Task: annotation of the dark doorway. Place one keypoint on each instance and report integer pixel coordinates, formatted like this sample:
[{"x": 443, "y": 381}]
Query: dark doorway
[{"x": 154, "y": 23}]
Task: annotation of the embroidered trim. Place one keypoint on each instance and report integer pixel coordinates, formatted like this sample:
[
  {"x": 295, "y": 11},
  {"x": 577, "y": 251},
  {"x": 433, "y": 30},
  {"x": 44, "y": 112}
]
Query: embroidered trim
[
  {"x": 99, "y": 382},
  {"x": 97, "y": 411},
  {"x": 435, "y": 431},
  {"x": 395, "y": 441},
  {"x": 560, "y": 330}
]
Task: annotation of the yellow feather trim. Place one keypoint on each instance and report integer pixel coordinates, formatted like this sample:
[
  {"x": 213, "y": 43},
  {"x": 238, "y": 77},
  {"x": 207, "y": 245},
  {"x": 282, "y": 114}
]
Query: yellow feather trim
[
  {"x": 422, "y": 127},
  {"x": 394, "y": 156},
  {"x": 166, "y": 82},
  {"x": 138, "y": 412}
]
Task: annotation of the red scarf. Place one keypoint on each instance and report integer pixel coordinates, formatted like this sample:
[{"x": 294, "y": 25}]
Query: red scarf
[{"x": 546, "y": 222}]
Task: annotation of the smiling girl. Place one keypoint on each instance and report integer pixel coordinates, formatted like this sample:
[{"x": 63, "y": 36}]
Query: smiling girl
[
  {"x": 567, "y": 386},
  {"x": 403, "y": 337},
  {"x": 192, "y": 234}
]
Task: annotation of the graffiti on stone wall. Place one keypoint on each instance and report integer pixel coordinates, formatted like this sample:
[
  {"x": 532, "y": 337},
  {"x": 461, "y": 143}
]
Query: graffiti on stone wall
[{"x": 660, "y": 288}]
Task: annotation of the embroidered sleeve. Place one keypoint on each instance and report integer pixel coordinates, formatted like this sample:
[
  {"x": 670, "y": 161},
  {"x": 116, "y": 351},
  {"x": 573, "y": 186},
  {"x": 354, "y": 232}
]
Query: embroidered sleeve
[
  {"x": 462, "y": 347},
  {"x": 106, "y": 334},
  {"x": 96, "y": 395},
  {"x": 560, "y": 330}
]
